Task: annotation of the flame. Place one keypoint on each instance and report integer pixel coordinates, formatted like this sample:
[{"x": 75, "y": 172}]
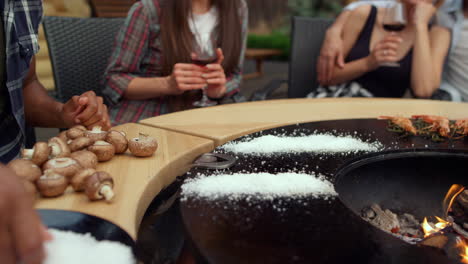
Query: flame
[
  {"x": 463, "y": 250},
  {"x": 454, "y": 191},
  {"x": 432, "y": 229}
]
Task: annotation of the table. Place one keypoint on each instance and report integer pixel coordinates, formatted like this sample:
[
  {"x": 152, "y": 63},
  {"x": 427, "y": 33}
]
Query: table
[
  {"x": 184, "y": 135},
  {"x": 137, "y": 180},
  {"x": 227, "y": 122}
]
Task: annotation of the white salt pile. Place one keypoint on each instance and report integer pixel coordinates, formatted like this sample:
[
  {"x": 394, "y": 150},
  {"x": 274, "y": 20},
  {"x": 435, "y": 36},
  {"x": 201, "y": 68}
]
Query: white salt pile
[
  {"x": 319, "y": 143},
  {"x": 263, "y": 186},
  {"x": 74, "y": 248}
]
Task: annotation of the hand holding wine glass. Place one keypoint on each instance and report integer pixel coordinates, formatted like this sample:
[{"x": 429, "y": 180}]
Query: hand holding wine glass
[
  {"x": 203, "y": 55},
  {"x": 394, "y": 20}
]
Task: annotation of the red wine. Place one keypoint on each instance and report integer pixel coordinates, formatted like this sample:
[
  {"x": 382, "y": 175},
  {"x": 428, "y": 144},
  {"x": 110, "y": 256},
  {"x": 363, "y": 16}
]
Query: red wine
[
  {"x": 394, "y": 27},
  {"x": 204, "y": 62}
]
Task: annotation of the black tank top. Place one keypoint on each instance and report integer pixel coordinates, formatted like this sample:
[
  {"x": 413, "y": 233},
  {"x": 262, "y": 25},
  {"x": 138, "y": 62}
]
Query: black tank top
[{"x": 384, "y": 81}]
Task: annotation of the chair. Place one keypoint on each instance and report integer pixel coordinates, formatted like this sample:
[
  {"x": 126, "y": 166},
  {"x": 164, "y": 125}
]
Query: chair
[
  {"x": 111, "y": 8},
  {"x": 307, "y": 38},
  {"x": 79, "y": 50}
]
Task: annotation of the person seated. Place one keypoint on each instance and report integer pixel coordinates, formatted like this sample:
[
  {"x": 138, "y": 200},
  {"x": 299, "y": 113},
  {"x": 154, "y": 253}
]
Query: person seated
[
  {"x": 152, "y": 72},
  {"x": 418, "y": 48}
]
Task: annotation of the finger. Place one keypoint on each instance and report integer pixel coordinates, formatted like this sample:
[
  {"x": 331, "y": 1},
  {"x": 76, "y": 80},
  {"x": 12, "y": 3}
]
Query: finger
[
  {"x": 97, "y": 117},
  {"x": 394, "y": 39},
  {"x": 89, "y": 111},
  {"x": 186, "y": 87},
  {"x": 46, "y": 236},
  {"x": 389, "y": 45},
  {"x": 329, "y": 68},
  {"x": 7, "y": 252},
  {"x": 190, "y": 80},
  {"x": 215, "y": 74},
  {"x": 193, "y": 55},
  {"x": 216, "y": 81},
  {"x": 220, "y": 54},
  {"x": 185, "y": 73},
  {"x": 215, "y": 67},
  {"x": 186, "y": 67},
  {"x": 340, "y": 60},
  {"x": 28, "y": 235},
  {"x": 321, "y": 70}
]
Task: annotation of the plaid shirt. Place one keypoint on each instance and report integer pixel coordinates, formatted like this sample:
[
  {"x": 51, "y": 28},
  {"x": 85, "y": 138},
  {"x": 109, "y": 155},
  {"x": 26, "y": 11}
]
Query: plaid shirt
[
  {"x": 138, "y": 53},
  {"x": 21, "y": 19}
]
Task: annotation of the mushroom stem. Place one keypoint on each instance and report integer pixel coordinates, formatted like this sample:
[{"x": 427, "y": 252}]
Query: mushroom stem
[
  {"x": 55, "y": 150},
  {"x": 107, "y": 192},
  {"x": 28, "y": 153},
  {"x": 97, "y": 129}
]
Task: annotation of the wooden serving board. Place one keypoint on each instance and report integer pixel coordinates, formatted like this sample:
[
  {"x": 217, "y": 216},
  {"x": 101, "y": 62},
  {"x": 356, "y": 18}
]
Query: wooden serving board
[
  {"x": 227, "y": 122},
  {"x": 137, "y": 180}
]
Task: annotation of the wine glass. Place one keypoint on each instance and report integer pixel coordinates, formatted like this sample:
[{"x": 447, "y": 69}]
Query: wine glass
[
  {"x": 203, "y": 55},
  {"x": 394, "y": 20}
]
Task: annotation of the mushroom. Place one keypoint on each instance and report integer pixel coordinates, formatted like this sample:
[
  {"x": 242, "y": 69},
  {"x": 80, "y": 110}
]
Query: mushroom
[
  {"x": 52, "y": 184},
  {"x": 75, "y": 132},
  {"x": 103, "y": 150},
  {"x": 86, "y": 159},
  {"x": 63, "y": 136},
  {"x": 99, "y": 186},
  {"x": 64, "y": 166},
  {"x": 118, "y": 140},
  {"x": 80, "y": 143},
  {"x": 96, "y": 134},
  {"x": 25, "y": 169},
  {"x": 59, "y": 148},
  {"x": 143, "y": 146},
  {"x": 30, "y": 189},
  {"x": 78, "y": 181},
  {"x": 38, "y": 154}
]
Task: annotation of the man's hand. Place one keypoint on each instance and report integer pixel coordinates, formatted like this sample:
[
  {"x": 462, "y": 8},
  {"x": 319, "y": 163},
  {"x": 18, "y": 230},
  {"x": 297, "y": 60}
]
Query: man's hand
[
  {"x": 331, "y": 55},
  {"x": 87, "y": 109},
  {"x": 21, "y": 232}
]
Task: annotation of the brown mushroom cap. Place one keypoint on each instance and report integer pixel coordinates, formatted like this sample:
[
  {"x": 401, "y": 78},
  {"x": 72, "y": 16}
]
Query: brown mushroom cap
[
  {"x": 78, "y": 181},
  {"x": 59, "y": 148},
  {"x": 30, "y": 189},
  {"x": 80, "y": 127},
  {"x": 143, "y": 146},
  {"x": 25, "y": 169},
  {"x": 52, "y": 184},
  {"x": 63, "y": 136},
  {"x": 74, "y": 133},
  {"x": 64, "y": 166},
  {"x": 80, "y": 143},
  {"x": 96, "y": 134},
  {"x": 118, "y": 140},
  {"x": 86, "y": 159},
  {"x": 103, "y": 150},
  {"x": 38, "y": 154},
  {"x": 99, "y": 186}
]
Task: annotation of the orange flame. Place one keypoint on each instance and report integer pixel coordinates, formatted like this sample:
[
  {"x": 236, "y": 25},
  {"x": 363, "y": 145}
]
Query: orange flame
[
  {"x": 454, "y": 191},
  {"x": 434, "y": 228},
  {"x": 463, "y": 250}
]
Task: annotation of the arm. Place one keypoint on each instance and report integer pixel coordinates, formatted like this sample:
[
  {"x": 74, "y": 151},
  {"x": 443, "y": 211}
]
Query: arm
[
  {"x": 430, "y": 49},
  {"x": 42, "y": 110},
  {"x": 123, "y": 76}
]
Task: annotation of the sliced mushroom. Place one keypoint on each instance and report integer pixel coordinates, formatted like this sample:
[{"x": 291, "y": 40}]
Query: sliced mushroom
[
  {"x": 25, "y": 169},
  {"x": 64, "y": 166},
  {"x": 52, "y": 184},
  {"x": 30, "y": 189},
  {"x": 75, "y": 132},
  {"x": 78, "y": 181},
  {"x": 143, "y": 146},
  {"x": 96, "y": 134},
  {"x": 38, "y": 154},
  {"x": 99, "y": 186},
  {"x": 59, "y": 148},
  {"x": 86, "y": 159},
  {"x": 118, "y": 140},
  {"x": 103, "y": 150},
  {"x": 80, "y": 143}
]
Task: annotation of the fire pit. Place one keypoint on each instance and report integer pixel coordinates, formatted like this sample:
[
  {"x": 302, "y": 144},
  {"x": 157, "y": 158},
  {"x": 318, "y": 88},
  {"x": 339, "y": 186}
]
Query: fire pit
[{"x": 409, "y": 175}]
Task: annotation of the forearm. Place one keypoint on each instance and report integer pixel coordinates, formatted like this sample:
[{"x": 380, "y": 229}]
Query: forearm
[
  {"x": 142, "y": 88},
  {"x": 41, "y": 109},
  {"x": 337, "y": 27},
  {"x": 351, "y": 71},
  {"x": 422, "y": 73}
]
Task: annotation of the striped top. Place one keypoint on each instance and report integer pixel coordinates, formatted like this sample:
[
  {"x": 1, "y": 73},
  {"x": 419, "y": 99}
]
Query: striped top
[{"x": 138, "y": 53}]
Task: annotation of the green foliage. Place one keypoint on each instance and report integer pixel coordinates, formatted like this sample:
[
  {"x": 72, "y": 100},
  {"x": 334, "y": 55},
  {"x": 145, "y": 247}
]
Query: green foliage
[
  {"x": 276, "y": 40},
  {"x": 315, "y": 8}
]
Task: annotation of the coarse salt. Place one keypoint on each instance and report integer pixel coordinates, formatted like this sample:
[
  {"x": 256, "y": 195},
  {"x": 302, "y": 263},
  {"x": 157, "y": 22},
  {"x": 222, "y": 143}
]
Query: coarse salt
[
  {"x": 74, "y": 248},
  {"x": 264, "y": 186},
  {"x": 318, "y": 143}
]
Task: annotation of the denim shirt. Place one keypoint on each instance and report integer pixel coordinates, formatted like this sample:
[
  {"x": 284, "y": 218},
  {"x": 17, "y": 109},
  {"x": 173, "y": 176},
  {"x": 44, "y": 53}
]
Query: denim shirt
[{"x": 21, "y": 19}]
